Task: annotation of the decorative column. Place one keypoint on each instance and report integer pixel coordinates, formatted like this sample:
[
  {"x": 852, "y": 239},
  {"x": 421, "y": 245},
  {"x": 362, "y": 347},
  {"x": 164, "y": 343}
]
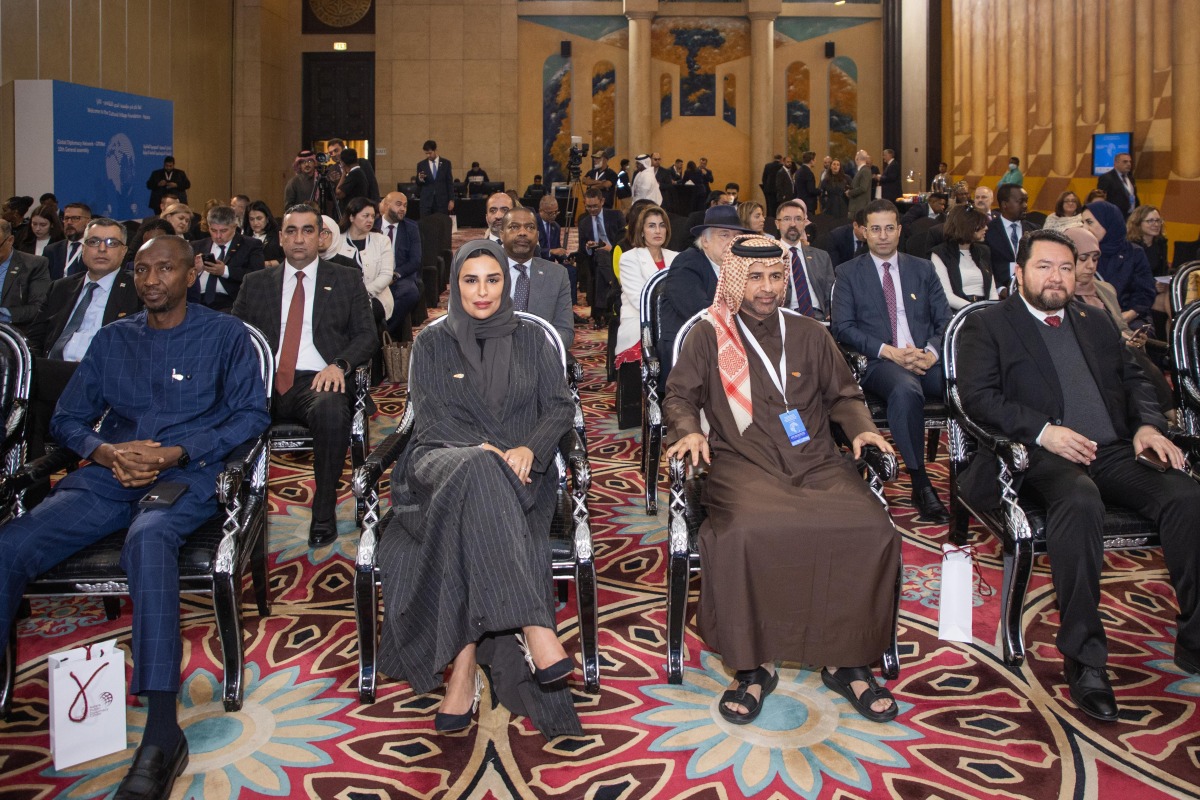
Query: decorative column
[
  {"x": 641, "y": 80},
  {"x": 1063, "y": 133},
  {"x": 999, "y": 63},
  {"x": 1143, "y": 64},
  {"x": 1162, "y": 35},
  {"x": 1089, "y": 81},
  {"x": 762, "y": 15},
  {"x": 1120, "y": 65},
  {"x": 1040, "y": 57},
  {"x": 1185, "y": 102},
  {"x": 1018, "y": 93},
  {"x": 979, "y": 96}
]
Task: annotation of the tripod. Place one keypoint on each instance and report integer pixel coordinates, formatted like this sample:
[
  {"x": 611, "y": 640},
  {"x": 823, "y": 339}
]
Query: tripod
[{"x": 325, "y": 197}]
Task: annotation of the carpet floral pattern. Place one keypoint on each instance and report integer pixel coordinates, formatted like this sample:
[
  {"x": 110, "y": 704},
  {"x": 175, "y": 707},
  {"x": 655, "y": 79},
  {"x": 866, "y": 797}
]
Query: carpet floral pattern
[{"x": 969, "y": 728}]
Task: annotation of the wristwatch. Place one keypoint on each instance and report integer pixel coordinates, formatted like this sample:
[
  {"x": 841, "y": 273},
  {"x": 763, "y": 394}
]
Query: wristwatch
[
  {"x": 184, "y": 458},
  {"x": 343, "y": 365}
]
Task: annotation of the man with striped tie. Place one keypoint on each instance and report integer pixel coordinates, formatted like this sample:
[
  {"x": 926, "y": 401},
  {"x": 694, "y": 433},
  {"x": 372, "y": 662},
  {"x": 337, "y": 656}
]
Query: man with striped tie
[
  {"x": 810, "y": 283},
  {"x": 890, "y": 307}
]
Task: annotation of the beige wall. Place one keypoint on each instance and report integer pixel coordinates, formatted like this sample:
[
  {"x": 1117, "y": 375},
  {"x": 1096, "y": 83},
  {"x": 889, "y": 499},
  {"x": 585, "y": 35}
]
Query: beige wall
[{"x": 178, "y": 50}]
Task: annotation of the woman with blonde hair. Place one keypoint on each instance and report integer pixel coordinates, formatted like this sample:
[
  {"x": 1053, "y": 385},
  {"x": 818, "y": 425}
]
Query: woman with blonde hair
[
  {"x": 753, "y": 216},
  {"x": 1144, "y": 228}
]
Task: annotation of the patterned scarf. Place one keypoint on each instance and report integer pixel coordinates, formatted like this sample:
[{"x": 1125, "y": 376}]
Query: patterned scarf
[{"x": 731, "y": 289}]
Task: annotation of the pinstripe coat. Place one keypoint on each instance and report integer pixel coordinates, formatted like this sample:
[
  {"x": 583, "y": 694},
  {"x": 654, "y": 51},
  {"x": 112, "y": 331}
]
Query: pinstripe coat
[{"x": 467, "y": 551}]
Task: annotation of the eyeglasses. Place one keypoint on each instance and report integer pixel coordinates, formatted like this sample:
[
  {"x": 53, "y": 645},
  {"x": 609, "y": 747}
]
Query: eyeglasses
[
  {"x": 786, "y": 220},
  {"x": 111, "y": 242},
  {"x": 1153, "y": 220},
  {"x": 876, "y": 230}
]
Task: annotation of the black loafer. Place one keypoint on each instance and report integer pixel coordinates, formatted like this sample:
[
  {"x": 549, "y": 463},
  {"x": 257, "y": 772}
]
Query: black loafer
[
  {"x": 1091, "y": 691},
  {"x": 1187, "y": 660},
  {"x": 152, "y": 774},
  {"x": 929, "y": 507},
  {"x": 322, "y": 533}
]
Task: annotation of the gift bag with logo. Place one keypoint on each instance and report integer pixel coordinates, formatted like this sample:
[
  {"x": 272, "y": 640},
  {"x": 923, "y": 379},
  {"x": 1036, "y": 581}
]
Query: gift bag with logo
[
  {"x": 395, "y": 358},
  {"x": 956, "y": 602},
  {"x": 87, "y": 703}
]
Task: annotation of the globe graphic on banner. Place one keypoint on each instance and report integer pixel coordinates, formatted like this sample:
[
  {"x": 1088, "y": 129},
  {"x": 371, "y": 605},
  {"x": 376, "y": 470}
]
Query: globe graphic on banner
[{"x": 121, "y": 169}]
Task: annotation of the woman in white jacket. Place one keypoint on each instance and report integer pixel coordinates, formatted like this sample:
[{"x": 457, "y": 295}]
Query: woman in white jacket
[
  {"x": 648, "y": 255},
  {"x": 369, "y": 249}
]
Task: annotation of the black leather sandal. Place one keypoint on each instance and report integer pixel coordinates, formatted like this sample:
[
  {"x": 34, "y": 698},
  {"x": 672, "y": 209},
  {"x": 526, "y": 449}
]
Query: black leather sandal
[
  {"x": 840, "y": 682},
  {"x": 766, "y": 681}
]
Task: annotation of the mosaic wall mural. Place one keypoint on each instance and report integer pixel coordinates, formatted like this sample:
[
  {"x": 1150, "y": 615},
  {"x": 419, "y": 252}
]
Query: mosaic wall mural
[
  {"x": 843, "y": 108},
  {"x": 729, "y": 114},
  {"x": 604, "y": 106},
  {"x": 698, "y": 49},
  {"x": 798, "y": 122},
  {"x": 556, "y": 117},
  {"x": 666, "y": 93}
]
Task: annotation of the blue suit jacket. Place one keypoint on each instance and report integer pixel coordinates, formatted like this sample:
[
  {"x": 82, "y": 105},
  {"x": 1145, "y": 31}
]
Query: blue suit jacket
[
  {"x": 860, "y": 318},
  {"x": 436, "y": 192},
  {"x": 691, "y": 285},
  {"x": 550, "y": 242}
]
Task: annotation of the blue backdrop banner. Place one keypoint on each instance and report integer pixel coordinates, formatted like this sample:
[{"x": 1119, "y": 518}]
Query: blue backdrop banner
[{"x": 106, "y": 144}]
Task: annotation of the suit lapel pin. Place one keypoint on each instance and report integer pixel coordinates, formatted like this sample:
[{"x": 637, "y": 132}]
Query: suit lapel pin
[
  {"x": 1083, "y": 313},
  {"x": 327, "y": 288},
  {"x": 458, "y": 375},
  {"x": 913, "y": 296},
  {"x": 120, "y": 314}
]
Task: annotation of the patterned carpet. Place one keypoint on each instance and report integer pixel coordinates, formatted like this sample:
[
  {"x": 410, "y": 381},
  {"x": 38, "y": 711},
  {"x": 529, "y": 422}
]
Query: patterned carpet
[{"x": 969, "y": 728}]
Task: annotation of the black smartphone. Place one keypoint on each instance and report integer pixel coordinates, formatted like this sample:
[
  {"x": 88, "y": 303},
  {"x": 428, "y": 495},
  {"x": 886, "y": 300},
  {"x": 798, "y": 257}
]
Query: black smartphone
[
  {"x": 163, "y": 495},
  {"x": 208, "y": 258},
  {"x": 1150, "y": 459}
]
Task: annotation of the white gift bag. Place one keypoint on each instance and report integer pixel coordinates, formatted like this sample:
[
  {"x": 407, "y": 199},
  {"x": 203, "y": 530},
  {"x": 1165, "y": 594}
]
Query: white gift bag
[
  {"x": 956, "y": 601},
  {"x": 87, "y": 703}
]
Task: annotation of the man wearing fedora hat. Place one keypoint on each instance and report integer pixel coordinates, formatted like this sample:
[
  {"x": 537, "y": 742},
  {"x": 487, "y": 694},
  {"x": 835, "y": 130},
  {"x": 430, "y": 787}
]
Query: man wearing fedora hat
[{"x": 691, "y": 281}]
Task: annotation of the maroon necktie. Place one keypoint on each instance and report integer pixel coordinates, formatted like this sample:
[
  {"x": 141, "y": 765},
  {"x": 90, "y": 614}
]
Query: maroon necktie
[
  {"x": 1054, "y": 322},
  {"x": 290, "y": 352},
  {"x": 803, "y": 299},
  {"x": 889, "y": 298}
]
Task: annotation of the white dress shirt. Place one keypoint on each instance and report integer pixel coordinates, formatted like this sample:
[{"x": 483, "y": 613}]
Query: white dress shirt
[
  {"x": 93, "y": 318},
  {"x": 205, "y": 277},
  {"x": 903, "y": 334},
  {"x": 309, "y": 358},
  {"x": 812, "y": 297}
]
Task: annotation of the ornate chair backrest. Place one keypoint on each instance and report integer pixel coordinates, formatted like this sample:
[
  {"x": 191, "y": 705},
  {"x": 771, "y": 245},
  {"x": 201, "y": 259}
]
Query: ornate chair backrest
[
  {"x": 1180, "y": 283},
  {"x": 1185, "y": 344},
  {"x": 16, "y": 375}
]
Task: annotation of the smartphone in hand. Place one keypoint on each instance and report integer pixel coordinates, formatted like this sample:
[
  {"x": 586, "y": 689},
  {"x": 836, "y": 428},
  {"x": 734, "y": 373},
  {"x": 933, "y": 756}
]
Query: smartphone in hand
[{"x": 1150, "y": 459}]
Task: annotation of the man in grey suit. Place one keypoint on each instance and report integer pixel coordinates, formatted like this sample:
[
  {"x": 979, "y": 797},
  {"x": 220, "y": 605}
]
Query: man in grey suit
[
  {"x": 810, "y": 284},
  {"x": 317, "y": 317},
  {"x": 863, "y": 184},
  {"x": 26, "y": 281},
  {"x": 890, "y": 307},
  {"x": 540, "y": 287}
]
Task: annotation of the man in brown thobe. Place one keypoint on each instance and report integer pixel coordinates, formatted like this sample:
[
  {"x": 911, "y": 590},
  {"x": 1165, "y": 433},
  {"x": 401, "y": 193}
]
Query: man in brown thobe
[{"x": 799, "y": 557}]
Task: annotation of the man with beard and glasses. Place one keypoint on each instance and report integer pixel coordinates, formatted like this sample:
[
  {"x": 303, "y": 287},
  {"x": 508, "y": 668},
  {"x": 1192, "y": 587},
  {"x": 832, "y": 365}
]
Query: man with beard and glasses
[{"x": 1057, "y": 377}]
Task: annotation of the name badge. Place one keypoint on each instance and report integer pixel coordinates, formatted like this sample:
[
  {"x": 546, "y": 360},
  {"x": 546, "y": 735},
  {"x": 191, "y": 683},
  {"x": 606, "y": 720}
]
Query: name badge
[{"x": 793, "y": 426}]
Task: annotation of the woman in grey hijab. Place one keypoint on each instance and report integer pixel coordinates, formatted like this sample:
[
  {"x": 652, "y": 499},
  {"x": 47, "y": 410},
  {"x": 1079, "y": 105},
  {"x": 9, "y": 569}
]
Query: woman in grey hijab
[{"x": 464, "y": 562}]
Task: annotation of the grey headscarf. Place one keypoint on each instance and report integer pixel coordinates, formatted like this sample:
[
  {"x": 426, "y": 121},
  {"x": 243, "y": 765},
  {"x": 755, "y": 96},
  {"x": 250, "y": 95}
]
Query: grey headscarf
[{"x": 485, "y": 344}]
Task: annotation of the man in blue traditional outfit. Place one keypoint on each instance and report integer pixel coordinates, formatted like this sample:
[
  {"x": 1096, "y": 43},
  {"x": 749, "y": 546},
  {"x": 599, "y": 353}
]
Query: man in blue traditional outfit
[{"x": 182, "y": 388}]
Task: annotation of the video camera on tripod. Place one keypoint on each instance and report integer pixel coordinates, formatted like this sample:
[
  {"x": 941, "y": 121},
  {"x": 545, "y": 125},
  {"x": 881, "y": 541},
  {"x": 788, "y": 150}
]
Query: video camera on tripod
[{"x": 575, "y": 157}]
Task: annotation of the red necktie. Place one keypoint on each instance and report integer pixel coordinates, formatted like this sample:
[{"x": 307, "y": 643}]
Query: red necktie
[
  {"x": 291, "y": 339},
  {"x": 1054, "y": 322},
  {"x": 889, "y": 298}
]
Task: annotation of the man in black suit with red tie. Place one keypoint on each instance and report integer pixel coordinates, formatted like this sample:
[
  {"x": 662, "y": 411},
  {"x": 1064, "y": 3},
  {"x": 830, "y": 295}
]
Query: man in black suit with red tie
[
  {"x": 225, "y": 258},
  {"x": 1057, "y": 378},
  {"x": 317, "y": 317}
]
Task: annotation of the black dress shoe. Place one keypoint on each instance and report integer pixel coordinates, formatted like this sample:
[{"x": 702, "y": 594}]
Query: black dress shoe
[
  {"x": 1091, "y": 691},
  {"x": 322, "y": 533},
  {"x": 929, "y": 507},
  {"x": 153, "y": 774},
  {"x": 580, "y": 320},
  {"x": 1186, "y": 660}
]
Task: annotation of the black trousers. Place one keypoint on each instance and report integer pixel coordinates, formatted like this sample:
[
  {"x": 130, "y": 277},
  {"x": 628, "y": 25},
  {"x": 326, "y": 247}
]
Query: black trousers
[
  {"x": 905, "y": 394},
  {"x": 327, "y": 415},
  {"x": 1075, "y": 496}
]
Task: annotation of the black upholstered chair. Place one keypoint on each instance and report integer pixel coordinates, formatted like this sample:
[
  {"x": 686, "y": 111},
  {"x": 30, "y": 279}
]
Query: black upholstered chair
[
  {"x": 1019, "y": 523},
  {"x": 652, "y": 393},
  {"x": 293, "y": 436},
  {"x": 1185, "y": 344},
  {"x": 1180, "y": 282},
  {"x": 570, "y": 546},
  {"x": 687, "y": 512},
  {"x": 212, "y": 561}
]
